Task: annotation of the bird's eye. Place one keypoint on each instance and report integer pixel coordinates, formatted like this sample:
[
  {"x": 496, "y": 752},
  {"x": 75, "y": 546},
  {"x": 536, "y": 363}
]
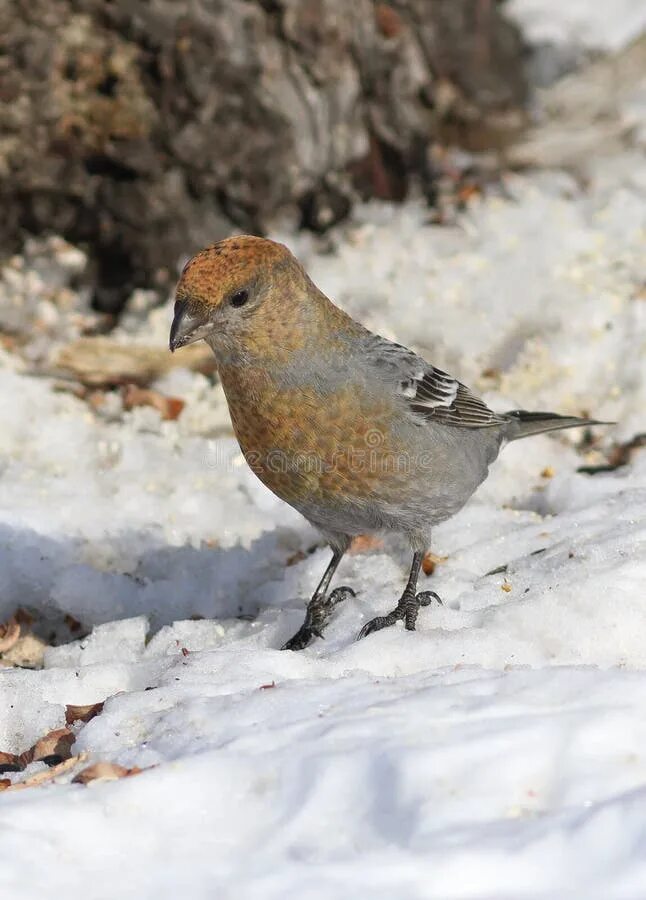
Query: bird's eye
[{"x": 239, "y": 298}]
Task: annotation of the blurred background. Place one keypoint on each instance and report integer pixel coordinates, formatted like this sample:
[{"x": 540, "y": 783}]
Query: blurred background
[{"x": 143, "y": 130}]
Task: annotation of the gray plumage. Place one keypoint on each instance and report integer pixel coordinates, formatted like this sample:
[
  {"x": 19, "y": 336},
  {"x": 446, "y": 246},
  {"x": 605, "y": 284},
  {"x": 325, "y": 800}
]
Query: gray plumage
[{"x": 451, "y": 436}]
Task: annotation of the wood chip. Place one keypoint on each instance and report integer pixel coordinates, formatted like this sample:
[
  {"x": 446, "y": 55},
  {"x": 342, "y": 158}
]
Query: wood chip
[
  {"x": 104, "y": 771},
  {"x": 103, "y": 362},
  {"x": 82, "y": 713},
  {"x": 28, "y": 652},
  {"x": 19, "y": 646}
]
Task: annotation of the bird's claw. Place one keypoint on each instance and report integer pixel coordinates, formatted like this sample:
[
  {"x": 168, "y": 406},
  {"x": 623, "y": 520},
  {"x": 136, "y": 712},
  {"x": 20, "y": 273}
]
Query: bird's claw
[
  {"x": 338, "y": 595},
  {"x": 406, "y": 611},
  {"x": 300, "y": 640},
  {"x": 319, "y": 610},
  {"x": 375, "y": 624}
]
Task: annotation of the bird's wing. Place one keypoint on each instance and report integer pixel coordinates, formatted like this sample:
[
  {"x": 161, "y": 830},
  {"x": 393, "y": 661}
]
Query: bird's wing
[{"x": 431, "y": 393}]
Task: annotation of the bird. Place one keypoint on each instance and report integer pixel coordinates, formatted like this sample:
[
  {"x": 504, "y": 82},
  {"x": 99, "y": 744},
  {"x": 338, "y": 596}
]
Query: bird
[{"x": 356, "y": 432}]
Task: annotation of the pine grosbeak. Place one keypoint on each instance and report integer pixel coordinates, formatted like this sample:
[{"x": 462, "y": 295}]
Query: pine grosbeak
[{"x": 355, "y": 432}]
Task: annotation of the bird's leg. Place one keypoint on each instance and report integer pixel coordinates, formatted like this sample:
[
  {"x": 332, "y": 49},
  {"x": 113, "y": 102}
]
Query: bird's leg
[
  {"x": 408, "y": 606},
  {"x": 320, "y": 607}
]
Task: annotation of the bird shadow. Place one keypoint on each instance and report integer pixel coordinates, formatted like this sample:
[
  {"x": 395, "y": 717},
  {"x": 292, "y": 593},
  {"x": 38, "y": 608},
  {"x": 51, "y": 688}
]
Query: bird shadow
[{"x": 73, "y": 580}]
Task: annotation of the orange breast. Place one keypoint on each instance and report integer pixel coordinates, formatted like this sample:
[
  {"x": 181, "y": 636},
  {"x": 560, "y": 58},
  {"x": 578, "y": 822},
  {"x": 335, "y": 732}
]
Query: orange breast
[{"x": 305, "y": 446}]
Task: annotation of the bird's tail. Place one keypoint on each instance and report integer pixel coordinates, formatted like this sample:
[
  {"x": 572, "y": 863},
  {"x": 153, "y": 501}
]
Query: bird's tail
[{"x": 524, "y": 423}]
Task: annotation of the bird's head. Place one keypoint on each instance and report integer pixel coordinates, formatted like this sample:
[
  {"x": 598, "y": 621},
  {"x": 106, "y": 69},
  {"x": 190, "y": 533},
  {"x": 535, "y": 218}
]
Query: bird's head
[{"x": 239, "y": 289}]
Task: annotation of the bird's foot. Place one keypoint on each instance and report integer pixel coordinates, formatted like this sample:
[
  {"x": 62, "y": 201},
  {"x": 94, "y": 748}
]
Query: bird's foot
[
  {"x": 405, "y": 611},
  {"x": 319, "y": 610}
]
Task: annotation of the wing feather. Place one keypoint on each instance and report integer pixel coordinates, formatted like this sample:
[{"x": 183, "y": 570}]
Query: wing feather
[{"x": 432, "y": 394}]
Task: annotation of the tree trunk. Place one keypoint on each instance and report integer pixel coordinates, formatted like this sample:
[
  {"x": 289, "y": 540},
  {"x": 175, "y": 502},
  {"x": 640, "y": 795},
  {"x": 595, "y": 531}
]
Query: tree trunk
[{"x": 145, "y": 129}]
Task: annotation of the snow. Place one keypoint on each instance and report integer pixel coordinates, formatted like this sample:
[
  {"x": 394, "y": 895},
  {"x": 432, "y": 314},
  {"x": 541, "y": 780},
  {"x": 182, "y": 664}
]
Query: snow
[
  {"x": 498, "y": 752},
  {"x": 452, "y": 784},
  {"x": 584, "y": 23}
]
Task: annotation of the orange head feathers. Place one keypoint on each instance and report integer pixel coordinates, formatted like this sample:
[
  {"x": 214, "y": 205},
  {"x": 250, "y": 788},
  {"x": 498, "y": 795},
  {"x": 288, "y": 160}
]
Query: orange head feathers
[
  {"x": 231, "y": 265},
  {"x": 237, "y": 291}
]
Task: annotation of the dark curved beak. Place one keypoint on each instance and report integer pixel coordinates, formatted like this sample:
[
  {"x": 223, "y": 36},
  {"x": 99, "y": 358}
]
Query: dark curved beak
[{"x": 187, "y": 327}]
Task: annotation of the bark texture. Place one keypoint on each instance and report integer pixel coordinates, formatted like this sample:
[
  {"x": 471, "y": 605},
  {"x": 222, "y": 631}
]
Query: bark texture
[{"x": 147, "y": 128}]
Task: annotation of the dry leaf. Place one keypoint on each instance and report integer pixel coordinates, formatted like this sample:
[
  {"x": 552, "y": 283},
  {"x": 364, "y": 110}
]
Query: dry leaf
[
  {"x": 73, "y": 624},
  {"x": 365, "y": 542},
  {"x": 10, "y": 762},
  {"x": 548, "y": 472},
  {"x": 23, "y": 617},
  {"x": 620, "y": 455},
  {"x": 48, "y": 774},
  {"x": 428, "y": 565},
  {"x": 54, "y": 747},
  {"x": 82, "y": 713},
  {"x": 104, "y": 771},
  {"x": 296, "y": 557},
  {"x": 9, "y": 634},
  {"x": 467, "y": 191},
  {"x": 168, "y": 408},
  {"x": 505, "y": 586},
  {"x": 9, "y": 342},
  {"x": 430, "y": 561},
  {"x": 388, "y": 20},
  {"x": 26, "y": 757}
]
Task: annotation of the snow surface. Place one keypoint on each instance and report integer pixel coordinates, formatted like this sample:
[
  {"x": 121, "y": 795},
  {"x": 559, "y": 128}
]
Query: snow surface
[
  {"x": 499, "y": 751},
  {"x": 585, "y": 23}
]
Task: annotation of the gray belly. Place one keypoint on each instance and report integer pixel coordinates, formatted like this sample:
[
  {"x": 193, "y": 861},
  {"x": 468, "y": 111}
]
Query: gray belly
[{"x": 443, "y": 469}]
